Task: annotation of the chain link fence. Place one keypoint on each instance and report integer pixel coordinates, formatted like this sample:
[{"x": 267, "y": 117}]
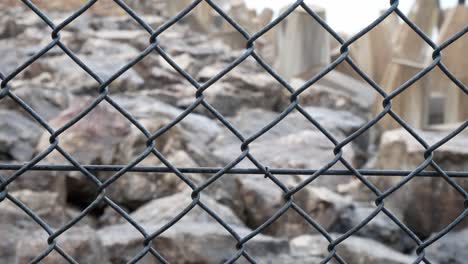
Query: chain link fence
[{"x": 197, "y": 189}]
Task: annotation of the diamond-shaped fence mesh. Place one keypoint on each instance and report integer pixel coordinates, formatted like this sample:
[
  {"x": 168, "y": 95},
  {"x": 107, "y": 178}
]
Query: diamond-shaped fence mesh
[{"x": 429, "y": 168}]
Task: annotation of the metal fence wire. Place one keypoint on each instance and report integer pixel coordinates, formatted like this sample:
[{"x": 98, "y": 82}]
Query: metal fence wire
[{"x": 217, "y": 173}]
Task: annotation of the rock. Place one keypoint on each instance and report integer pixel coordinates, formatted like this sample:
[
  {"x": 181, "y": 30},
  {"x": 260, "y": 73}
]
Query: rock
[
  {"x": 262, "y": 200},
  {"x": 105, "y": 137},
  {"x": 237, "y": 90},
  {"x": 81, "y": 243},
  {"x": 362, "y": 251},
  {"x": 16, "y": 50},
  {"x": 198, "y": 242},
  {"x": 196, "y": 238},
  {"x": 451, "y": 249},
  {"x": 164, "y": 209},
  {"x": 15, "y": 224},
  {"x": 197, "y": 130},
  {"x": 354, "y": 250},
  {"x": 145, "y": 7},
  {"x": 289, "y": 259},
  {"x": 18, "y": 136},
  {"x": 8, "y": 243},
  {"x": 294, "y": 135},
  {"x": 9, "y": 28},
  {"x": 381, "y": 228},
  {"x": 66, "y": 75},
  {"x": 41, "y": 96},
  {"x": 46, "y": 205},
  {"x": 437, "y": 202},
  {"x": 336, "y": 91}
]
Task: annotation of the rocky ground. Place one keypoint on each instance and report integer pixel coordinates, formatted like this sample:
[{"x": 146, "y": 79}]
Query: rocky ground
[{"x": 155, "y": 94}]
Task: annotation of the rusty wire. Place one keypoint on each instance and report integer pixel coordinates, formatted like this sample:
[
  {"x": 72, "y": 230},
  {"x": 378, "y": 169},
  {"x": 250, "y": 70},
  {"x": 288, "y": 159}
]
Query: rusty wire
[{"x": 250, "y": 51}]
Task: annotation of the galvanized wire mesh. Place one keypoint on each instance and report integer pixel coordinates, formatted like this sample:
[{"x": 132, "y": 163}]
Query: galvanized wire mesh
[{"x": 250, "y": 51}]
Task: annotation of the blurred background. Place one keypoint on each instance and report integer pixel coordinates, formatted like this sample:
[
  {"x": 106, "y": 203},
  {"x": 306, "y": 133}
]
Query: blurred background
[{"x": 105, "y": 39}]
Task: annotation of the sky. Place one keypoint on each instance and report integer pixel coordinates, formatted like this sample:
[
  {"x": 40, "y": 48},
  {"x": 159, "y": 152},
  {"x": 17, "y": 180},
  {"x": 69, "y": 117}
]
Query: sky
[{"x": 338, "y": 15}]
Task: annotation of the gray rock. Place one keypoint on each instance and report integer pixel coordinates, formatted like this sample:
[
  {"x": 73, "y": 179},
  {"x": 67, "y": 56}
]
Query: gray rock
[
  {"x": 16, "y": 225},
  {"x": 80, "y": 243},
  {"x": 103, "y": 137},
  {"x": 18, "y": 136},
  {"x": 196, "y": 238},
  {"x": 338, "y": 91},
  {"x": 381, "y": 228},
  {"x": 237, "y": 90},
  {"x": 197, "y": 130},
  {"x": 164, "y": 209},
  {"x": 289, "y": 259},
  {"x": 41, "y": 95},
  {"x": 426, "y": 205},
  {"x": 9, "y": 28},
  {"x": 67, "y": 75},
  {"x": 10, "y": 236},
  {"x": 106, "y": 137},
  {"x": 46, "y": 205},
  {"x": 16, "y": 51},
  {"x": 198, "y": 242},
  {"x": 451, "y": 249},
  {"x": 293, "y": 135},
  {"x": 362, "y": 251},
  {"x": 145, "y": 7},
  {"x": 354, "y": 250},
  {"x": 261, "y": 200}
]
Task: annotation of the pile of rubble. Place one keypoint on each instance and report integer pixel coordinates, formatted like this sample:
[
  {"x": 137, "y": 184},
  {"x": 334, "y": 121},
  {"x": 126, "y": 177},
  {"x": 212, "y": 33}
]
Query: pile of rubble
[{"x": 154, "y": 93}]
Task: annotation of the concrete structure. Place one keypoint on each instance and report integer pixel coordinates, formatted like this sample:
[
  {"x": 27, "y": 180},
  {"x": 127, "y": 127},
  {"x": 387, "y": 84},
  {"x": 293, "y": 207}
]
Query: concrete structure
[
  {"x": 409, "y": 55},
  {"x": 301, "y": 44},
  {"x": 201, "y": 18},
  {"x": 381, "y": 46},
  {"x": 372, "y": 52},
  {"x": 456, "y": 101}
]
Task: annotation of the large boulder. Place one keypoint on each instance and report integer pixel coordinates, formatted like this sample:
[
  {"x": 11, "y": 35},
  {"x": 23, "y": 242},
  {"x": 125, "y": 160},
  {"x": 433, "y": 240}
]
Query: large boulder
[
  {"x": 381, "y": 228},
  {"x": 198, "y": 131},
  {"x": 261, "y": 200},
  {"x": 198, "y": 242},
  {"x": 80, "y": 243},
  {"x": 18, "y": 136},
  {"x": 196, "y": 238},
  {"x": 240, "y": 88},
  {"x": 450, "y": 249},
  {"x": 437, "y": 202},
  {"x": 354, "y": 250},
  {"x": 166, "y": 208},
  {"x": 16, "y": 225},
  {"x": 294, "y": 135},
  {"x": 66, "y": 75},
  {"x": 8, "y": 243},
  {"x": 45, "y": 204},
  {"x": 336, "y": 91},
  {"x": 9, "y": 27},
  {"x": 105, "y": 137},
  {"x": 41, "y": 95}
]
